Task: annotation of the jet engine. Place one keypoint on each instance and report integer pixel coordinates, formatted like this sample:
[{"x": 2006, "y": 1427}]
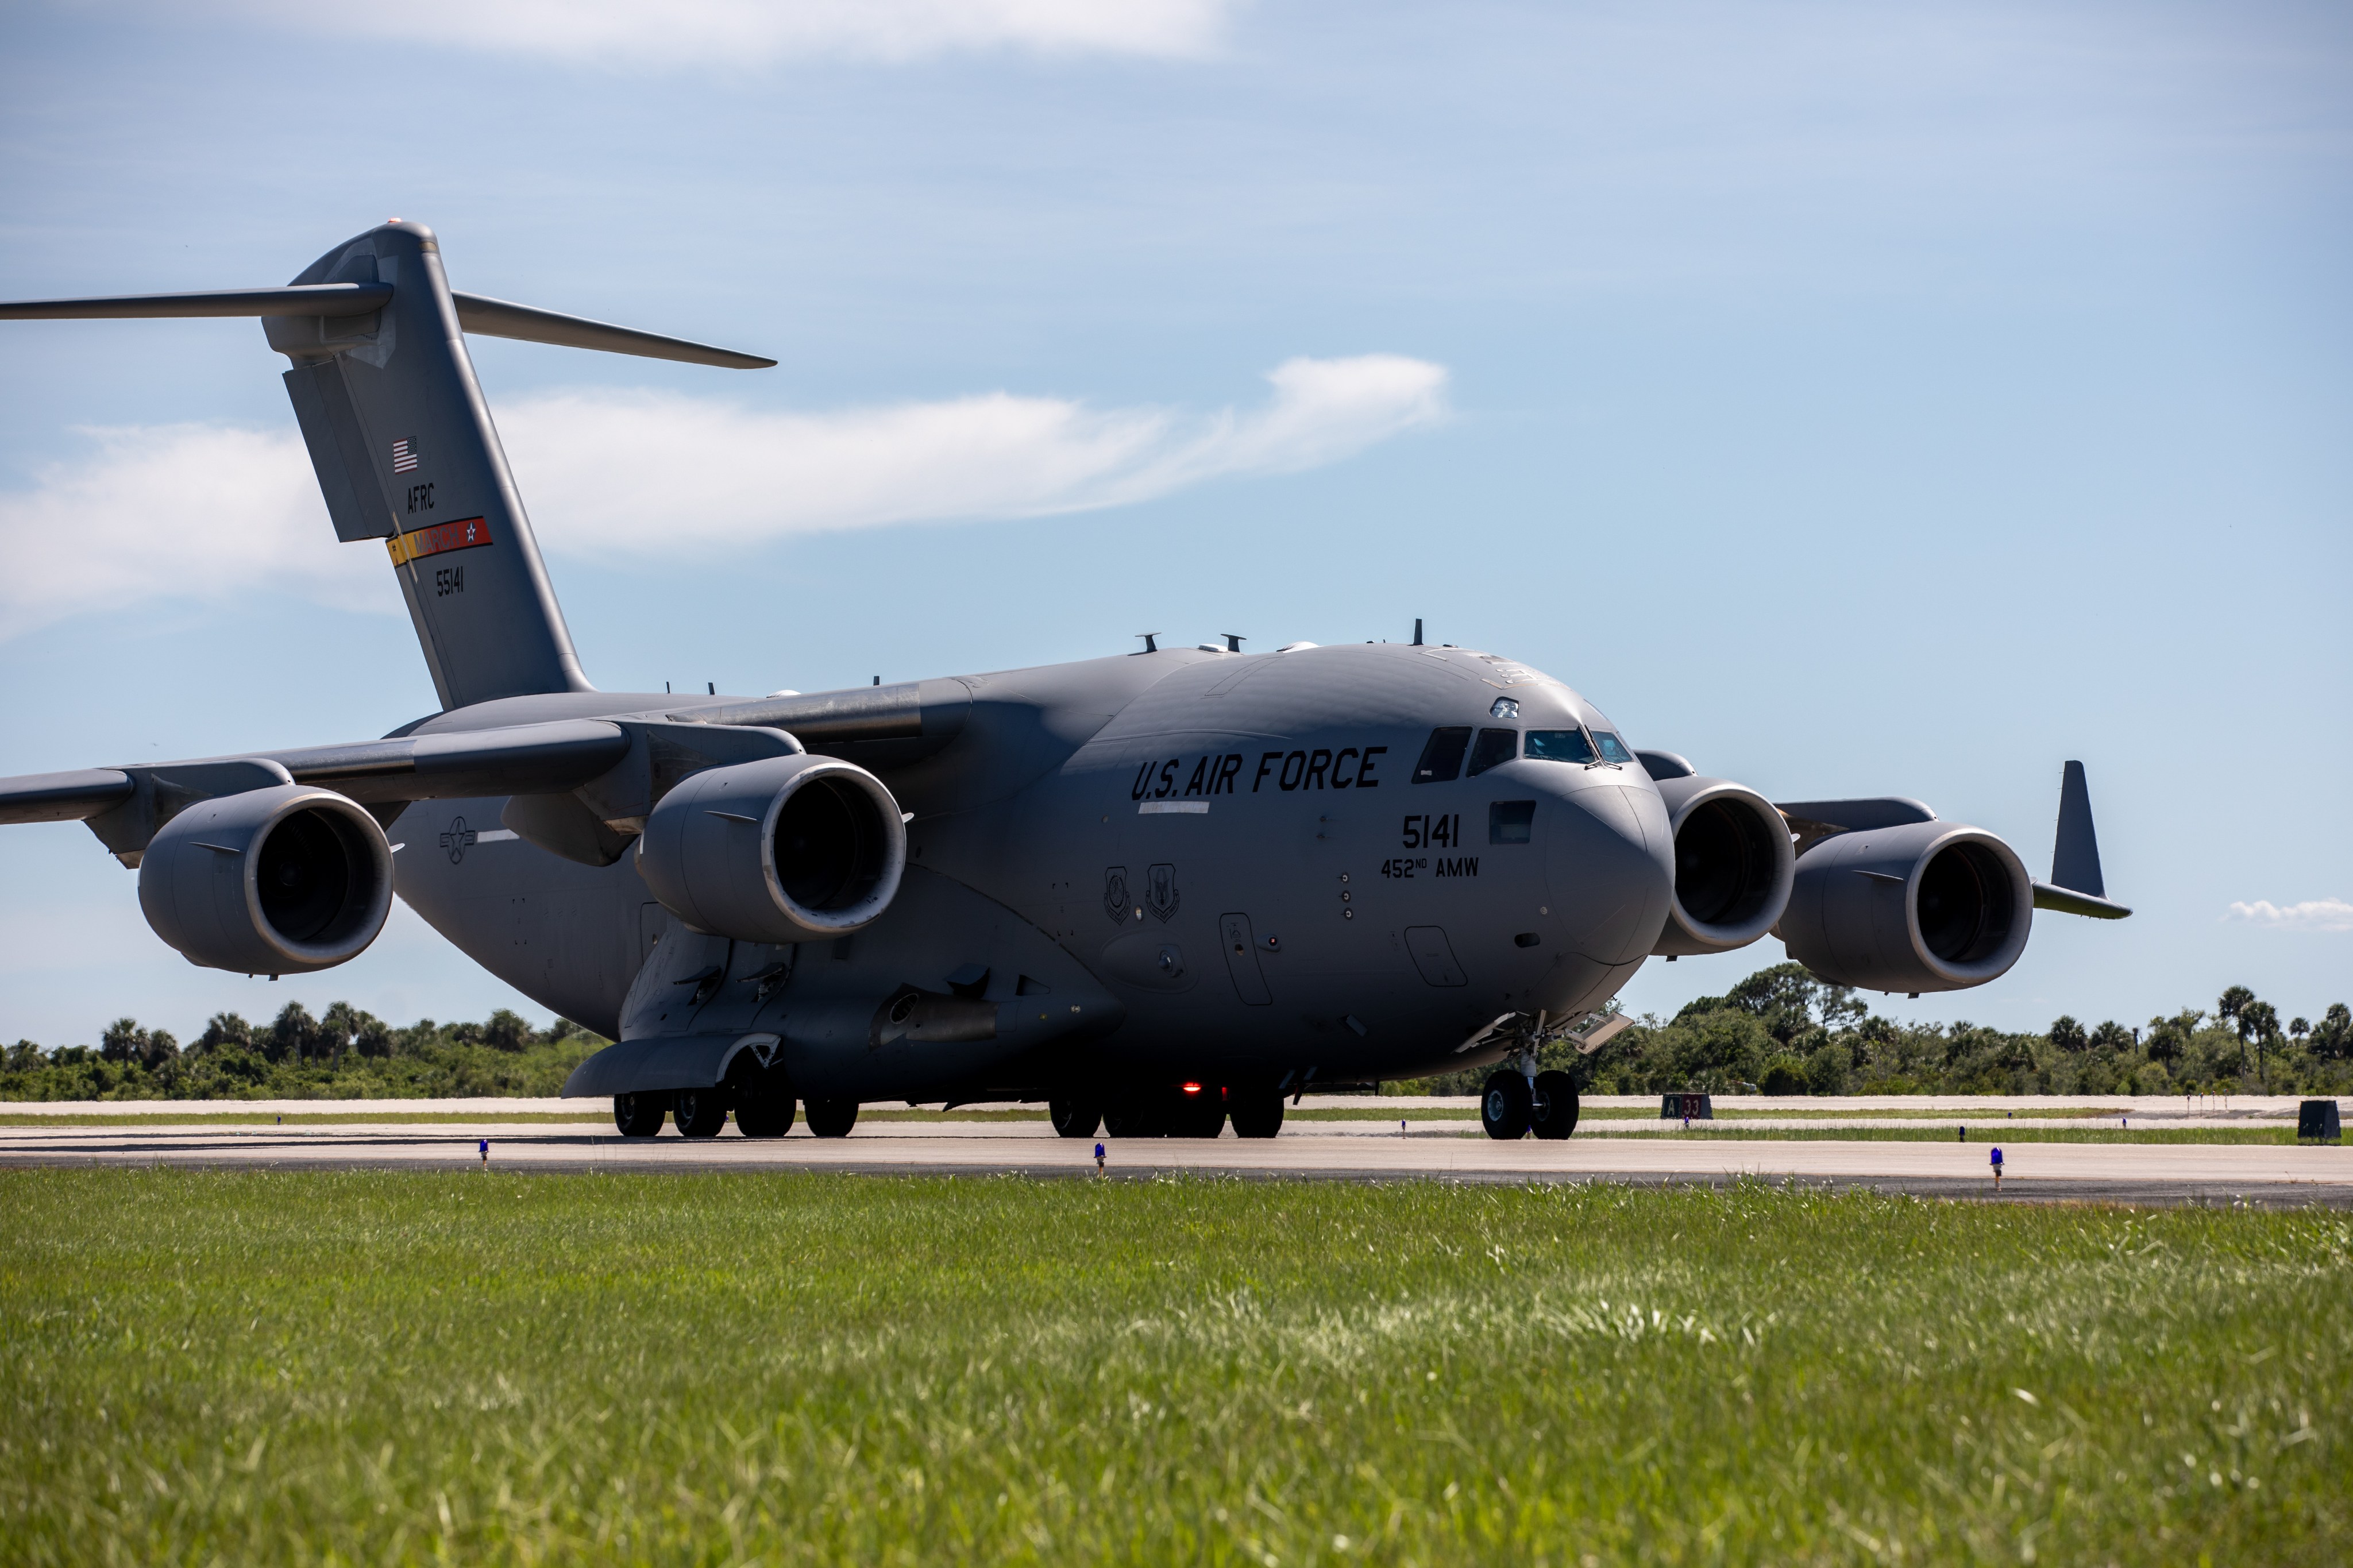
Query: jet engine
[
  {"x": 1734, "y": 866},
  {"x": 282, "y": 880},
  {"x": 1927, "y": 906},
  {"x": 798, "y": 849}
]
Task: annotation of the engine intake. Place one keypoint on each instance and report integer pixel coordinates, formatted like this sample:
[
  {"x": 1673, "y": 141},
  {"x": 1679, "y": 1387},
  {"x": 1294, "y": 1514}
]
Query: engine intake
[
  {"x": 283, "y": 880},
  {"x": 795, "y": 849},
  {"x": 1928, "y": 906},
  {"x": 1734, "y": 866}
]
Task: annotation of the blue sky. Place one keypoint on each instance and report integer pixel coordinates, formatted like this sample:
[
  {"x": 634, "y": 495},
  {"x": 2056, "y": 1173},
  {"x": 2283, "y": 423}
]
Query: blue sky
[{"x": 1857, "y": 398}]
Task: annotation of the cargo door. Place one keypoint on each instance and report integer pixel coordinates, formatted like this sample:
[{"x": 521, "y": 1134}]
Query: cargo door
[{"x": 1241, "y": 960}]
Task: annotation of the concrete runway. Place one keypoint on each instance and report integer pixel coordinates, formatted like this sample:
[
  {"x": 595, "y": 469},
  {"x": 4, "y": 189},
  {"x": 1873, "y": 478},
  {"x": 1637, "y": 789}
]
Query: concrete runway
[{"x": 2265, "y": 1174}]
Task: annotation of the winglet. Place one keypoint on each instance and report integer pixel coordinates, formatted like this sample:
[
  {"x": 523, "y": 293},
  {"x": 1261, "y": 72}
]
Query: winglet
[{"x": 2076, "y": 887}]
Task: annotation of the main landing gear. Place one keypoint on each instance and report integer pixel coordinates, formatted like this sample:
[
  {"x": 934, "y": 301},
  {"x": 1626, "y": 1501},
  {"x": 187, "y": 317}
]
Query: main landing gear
[
  {"x": 639, "y": 1115},
  {"x": 763, "y": 1104},
  {"x": 1514, "y": 1105},
  {"x": 832, "y": 1118},
  {"x": 1193, "y": 1110}
]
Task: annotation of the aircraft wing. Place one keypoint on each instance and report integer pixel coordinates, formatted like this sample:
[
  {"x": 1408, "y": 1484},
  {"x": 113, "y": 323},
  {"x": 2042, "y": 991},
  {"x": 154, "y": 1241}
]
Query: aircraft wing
[{"x": 521, "y": 760}]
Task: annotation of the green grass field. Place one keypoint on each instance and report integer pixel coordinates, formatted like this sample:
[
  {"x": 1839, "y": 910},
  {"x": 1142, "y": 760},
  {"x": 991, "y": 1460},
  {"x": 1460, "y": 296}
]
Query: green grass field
[{"x": 367, "y": 1367}]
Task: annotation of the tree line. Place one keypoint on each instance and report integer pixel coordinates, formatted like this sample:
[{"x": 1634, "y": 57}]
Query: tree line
[
  {"x": 344, "y": 1053},
  {"x": 1782, "y": 1031}
]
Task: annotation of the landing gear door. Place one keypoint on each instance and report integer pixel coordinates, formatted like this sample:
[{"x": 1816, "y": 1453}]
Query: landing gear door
[{"x": 1241, "y": 960}]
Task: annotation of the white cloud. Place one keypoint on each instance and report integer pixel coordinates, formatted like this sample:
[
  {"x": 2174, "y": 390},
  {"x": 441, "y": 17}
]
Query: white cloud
[
  {"x": 209, "y": 511},
  {"x": 731, "y": 32},
  {"x": 598, "y": 467},
  {"x": 190, "y": 510},
  {"x": 2313, "y": 914}
]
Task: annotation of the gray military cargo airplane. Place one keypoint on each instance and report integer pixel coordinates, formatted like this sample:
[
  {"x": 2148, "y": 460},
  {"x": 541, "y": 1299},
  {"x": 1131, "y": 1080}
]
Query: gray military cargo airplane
[{"x": 1156, "y": 891}]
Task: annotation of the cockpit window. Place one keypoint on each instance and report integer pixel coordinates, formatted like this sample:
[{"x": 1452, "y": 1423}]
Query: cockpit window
[
  {"x": 1613, "y": 749},
  {"x": 1495, "y": 747},
  {"x": 1561, "y": 745},
  {"x": 1441, "y": 758}
]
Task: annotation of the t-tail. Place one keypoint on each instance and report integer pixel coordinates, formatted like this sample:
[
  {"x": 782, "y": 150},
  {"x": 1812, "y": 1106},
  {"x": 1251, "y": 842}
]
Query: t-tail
[{"x": 404, "y": 446}]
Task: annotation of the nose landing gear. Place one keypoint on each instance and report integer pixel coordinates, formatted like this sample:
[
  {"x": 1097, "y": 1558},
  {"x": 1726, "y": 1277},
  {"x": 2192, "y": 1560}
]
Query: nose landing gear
[{"x": 1514, "y": 1105}]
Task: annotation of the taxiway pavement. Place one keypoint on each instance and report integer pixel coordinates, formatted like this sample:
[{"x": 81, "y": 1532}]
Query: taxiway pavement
[{"x": 2269, "y": 1174}]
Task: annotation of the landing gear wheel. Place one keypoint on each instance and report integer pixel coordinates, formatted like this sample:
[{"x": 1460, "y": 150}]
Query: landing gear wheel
[
  {"x": 1198, "y": 1115},
  {"x": 1075, "y": 1118},
  {"x": 1505, "y": 1106},
  {"x": 1257, "y": 1113},
  {"x": 1137, "y": 1119},
  {"x": 832, "y": 1118},
  {"x": 763, "y": 1111},
  {"x": 1554, "y": 1115},
  {"x": 639, "y": 1115},
  {"x": 701, "y": 1113}
]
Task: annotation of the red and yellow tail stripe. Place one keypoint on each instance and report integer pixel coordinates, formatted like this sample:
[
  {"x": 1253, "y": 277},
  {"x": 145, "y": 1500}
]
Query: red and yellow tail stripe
[{"x": 438, "y": 539}]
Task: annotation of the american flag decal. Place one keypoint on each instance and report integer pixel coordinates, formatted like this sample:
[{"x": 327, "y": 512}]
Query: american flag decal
[{"x": 403, "y": 458}]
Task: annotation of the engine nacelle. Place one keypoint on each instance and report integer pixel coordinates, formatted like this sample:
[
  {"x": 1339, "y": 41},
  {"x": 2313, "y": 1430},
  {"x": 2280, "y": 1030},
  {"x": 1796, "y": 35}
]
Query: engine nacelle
[
  {"x": 282, "y": 880},
  {"x": 796, "y": 848},
  {"x": 1928, "y": 906},
  {"x": 1734, "y": 866}
]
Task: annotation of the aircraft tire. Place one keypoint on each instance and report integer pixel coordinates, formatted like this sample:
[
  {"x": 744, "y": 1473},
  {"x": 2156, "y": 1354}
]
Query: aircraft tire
[
  {"x": 1202, "y": 1116},
  {"x": 1554, "y": 1115},
  {"x": 1135, "y": 1119},
  {"x": 639, "y": 1115},
  {"x": 832, "y": 1118},
  {"x": 1256, "y": 1113},
  {"x": 699, "y": 1112},
  {"x": 1075, "y": 1118},
  {"x": 1505, "y": 1106},
  {"x": 761, "y": 1115}
]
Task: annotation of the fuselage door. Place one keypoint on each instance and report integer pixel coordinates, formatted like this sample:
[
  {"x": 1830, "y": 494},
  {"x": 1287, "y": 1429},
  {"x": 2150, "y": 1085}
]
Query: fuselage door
[
  {"x": 1434, "y": 955},
  {"x": 1241, "y": 960}
]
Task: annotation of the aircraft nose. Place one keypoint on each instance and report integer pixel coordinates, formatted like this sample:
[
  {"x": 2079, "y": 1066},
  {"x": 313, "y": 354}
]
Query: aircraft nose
[{"x": 1611, "y": 869}]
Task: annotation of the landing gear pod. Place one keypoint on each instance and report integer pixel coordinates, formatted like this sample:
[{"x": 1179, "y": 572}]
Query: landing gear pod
[
  {"x": 784, "y": 849},
  {"x": 283, "y": 880},
  {"x": 1928, "y": 906},
  {"x": 1734, "y": 867}
]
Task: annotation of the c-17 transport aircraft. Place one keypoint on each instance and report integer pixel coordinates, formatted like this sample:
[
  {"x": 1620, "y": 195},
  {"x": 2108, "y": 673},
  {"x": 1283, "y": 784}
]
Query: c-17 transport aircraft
[{"x": 1157, "y": 890}]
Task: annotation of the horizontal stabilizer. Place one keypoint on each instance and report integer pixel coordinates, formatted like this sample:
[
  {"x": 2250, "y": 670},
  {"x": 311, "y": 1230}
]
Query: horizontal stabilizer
[
  {"x": 500, "y": 319},
  {"x": 489, "y": 318},
  {"x": 2067, "y": 902},
  {"x": 292, "y": 300}
]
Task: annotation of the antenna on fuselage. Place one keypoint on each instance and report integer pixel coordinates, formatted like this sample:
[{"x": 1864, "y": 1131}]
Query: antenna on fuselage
[{"x": 1417, "y": 631}]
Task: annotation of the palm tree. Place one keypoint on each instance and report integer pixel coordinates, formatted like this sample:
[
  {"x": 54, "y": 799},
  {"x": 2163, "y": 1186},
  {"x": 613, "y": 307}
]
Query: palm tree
[{"x": 2260, "y": 1020}]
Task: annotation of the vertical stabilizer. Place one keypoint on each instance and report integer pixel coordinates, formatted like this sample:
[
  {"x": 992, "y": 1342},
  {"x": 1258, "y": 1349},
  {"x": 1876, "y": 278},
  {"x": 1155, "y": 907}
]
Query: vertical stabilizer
[
  {"x": 406, "y": 453},
  {"x": 2076, "y": 857}
]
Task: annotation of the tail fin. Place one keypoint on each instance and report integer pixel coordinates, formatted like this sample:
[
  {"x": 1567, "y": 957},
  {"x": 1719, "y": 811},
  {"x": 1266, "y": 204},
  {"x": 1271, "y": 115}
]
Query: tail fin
[
  {"x": 2076, "y": 857},
  {"x": 2076, "y": 887},
  {"x": 404, "y": 446}
]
